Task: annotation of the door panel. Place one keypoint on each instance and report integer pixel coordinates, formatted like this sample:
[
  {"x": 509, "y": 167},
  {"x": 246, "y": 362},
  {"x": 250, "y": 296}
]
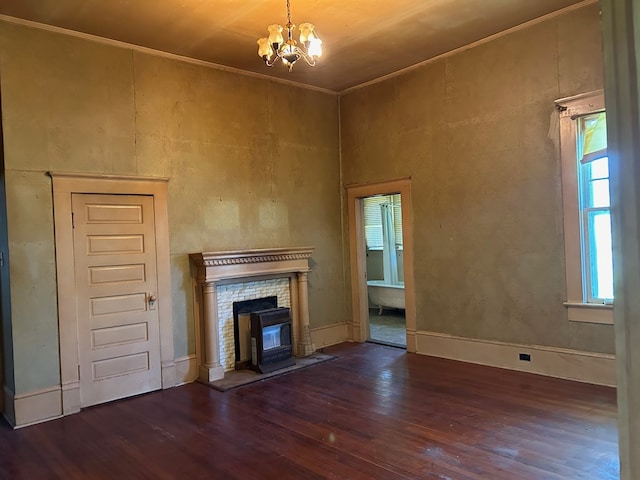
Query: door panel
[
  {"x": 116, "y": 287},
  {"x": 112, "y": 336},
  {"x": 116, "y": 274},
  {"x": 114, "y": 244}
]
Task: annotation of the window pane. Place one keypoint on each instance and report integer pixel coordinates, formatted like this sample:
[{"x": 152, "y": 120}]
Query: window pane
[
  {"x": 373, "y": 236},
  {"x": 599, "y": 194},
  {"x": 593, "y": 167},
  {"x": 373, "y": 221},
  {"x": 600, "y": 168},
  {"x": 397, "y": 223},
  {"x": 601, "y": 255},
  {"x": 593, "y": 137}
]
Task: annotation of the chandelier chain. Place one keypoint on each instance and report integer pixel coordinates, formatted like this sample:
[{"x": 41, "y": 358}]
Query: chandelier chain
[{"x": 286, "y": 48}]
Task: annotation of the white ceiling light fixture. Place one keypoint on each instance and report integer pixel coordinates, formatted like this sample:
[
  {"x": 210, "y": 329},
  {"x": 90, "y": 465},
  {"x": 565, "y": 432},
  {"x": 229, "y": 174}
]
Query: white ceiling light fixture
[{"x": 288, "y": 50}]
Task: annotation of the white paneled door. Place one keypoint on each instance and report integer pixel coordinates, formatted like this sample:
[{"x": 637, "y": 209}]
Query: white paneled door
[{"x": 116, "y": 296}]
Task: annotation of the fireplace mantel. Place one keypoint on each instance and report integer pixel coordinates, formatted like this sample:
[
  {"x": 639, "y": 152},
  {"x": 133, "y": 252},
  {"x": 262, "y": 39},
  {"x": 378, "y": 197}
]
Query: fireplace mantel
[
  {"x": 213, "y": 268},
  {"x": 216, "y": 266}
]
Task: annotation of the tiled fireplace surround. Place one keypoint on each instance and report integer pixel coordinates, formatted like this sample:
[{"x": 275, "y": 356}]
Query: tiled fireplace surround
[{"x": 222, "y": 278}]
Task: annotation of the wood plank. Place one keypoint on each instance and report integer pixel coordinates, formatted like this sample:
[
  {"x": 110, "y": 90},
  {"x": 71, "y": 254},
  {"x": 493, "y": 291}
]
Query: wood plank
[{"x": 374, "y": 412}]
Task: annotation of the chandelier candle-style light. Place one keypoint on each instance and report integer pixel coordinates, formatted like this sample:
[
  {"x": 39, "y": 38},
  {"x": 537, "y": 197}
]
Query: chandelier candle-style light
[{"x": 288, "y": 51}]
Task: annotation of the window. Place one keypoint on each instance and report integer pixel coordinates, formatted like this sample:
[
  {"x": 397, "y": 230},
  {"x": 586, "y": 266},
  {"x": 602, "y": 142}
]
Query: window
[
  {"x": 595, "y": 207},
  {"x": 587, "y": 208},
  {"x": 373, "y": 223}
]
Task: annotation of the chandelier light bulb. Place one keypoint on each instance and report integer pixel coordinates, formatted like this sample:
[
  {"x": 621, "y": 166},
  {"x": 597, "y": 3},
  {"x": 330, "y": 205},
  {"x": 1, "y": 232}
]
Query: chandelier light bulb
[
  {"x": 275, "y": 34},
  {"x": 286, "y": 48},
  {"x": 306, "y": 32},
  {"x": 315, "y": 47},
  {"x": 264, "y": 48}
]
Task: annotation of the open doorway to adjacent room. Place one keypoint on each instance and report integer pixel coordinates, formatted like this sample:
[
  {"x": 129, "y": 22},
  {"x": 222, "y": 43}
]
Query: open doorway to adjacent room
[
  {"x": 381, "y": 251},
  {"x": 385, "y": 268}
]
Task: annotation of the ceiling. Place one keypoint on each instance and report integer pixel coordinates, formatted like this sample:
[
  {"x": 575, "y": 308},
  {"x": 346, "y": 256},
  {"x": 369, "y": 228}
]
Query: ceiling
[{"x": 362, "y": 39}]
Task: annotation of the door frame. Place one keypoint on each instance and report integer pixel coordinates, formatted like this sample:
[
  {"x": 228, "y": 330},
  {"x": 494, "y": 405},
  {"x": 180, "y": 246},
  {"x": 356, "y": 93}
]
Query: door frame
[
  {"x": 64, "y": 185},
  {"x": 358, "y": 260}
]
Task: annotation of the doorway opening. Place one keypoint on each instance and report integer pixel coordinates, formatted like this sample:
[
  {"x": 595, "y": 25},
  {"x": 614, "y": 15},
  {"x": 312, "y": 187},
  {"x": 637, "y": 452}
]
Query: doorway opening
[
  {"x": 363, "y": 268},
  {"x": 385, "y": 269}
]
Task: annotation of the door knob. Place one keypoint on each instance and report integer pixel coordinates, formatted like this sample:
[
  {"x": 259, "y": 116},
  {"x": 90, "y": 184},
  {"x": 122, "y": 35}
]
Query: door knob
[{"x": 152, "y": 301}]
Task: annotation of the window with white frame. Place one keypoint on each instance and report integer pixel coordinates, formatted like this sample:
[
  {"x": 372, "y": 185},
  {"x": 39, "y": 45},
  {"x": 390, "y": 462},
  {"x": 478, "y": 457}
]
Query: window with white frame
[
  {"x": 587, "y": 208},
  {"x": 373, "y": 220},
  {"x": 595, "y": 207}
]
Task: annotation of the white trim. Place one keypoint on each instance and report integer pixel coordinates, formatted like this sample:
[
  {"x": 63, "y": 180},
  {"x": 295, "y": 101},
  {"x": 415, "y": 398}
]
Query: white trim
[
  {"x": 70, "y": 397},
  {"x": 158, "y": 53},
  {"x": 64, "y": 185},
  {"x": 93, "y": 176},
  {"x": 590, "y": 313},
  {"x": 329, "y": 335},
  {"x": 186, "y": 369},
  {"x": 587, "y": 367},
  {"x": 582, "y": 104},
  {"x": 359, "y": 325},
  {"x": 34, "y": 407},
  {"x": 168, "y": 373},
  {"x": 482, "y": 41},
  {"x": 577, "y": 309}
]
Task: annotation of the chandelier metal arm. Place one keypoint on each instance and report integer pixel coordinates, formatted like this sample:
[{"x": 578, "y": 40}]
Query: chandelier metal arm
[
  {"x": 288, "y": 50},
  {"x": 311, "y": 61}
]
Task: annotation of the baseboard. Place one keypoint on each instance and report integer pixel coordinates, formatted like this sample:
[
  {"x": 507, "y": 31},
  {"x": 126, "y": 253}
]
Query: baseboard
[
  {"x": 588, "y": 367},
  {"x": 186, "y": 369},
  {"x": 330, "y": 335},
  {"x": 70, "y": 397},
  {"x": 411, "y": 340},
  {"x": 33, "y": 407},
  {"x": 169, "y": 374}
]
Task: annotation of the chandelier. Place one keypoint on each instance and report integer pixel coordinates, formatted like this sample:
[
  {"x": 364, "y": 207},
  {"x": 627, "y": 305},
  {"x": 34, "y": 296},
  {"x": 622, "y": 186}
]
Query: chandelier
[{"x": 288, "y": 50}]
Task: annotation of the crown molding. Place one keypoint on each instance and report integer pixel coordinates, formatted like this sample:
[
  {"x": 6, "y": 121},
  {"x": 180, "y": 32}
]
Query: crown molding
[
  {"x": 158, "y": 53},
  {"x": 482, "y": 41}
]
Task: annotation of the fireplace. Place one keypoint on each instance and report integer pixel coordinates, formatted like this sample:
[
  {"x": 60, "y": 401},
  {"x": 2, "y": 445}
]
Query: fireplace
[
  {"x": 271, "y": 339},
  {"x": 242, "y": 326},
  {"x": 215, "y": 273}
]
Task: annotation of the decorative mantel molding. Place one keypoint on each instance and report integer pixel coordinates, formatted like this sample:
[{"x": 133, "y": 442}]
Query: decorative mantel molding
[
  {"x": 237, "y": 257},
  {"x": 215, "y": 267}
]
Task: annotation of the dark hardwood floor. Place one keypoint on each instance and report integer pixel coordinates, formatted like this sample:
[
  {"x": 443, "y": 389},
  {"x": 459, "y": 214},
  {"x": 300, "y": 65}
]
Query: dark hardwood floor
[{"x": 374, "y": 412}]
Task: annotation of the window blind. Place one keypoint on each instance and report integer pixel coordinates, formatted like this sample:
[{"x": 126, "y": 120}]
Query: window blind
[{"x": 373, "y": 220}]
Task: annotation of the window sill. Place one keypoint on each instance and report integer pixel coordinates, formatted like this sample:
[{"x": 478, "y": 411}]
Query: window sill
[{"x": 589, "y": 313}]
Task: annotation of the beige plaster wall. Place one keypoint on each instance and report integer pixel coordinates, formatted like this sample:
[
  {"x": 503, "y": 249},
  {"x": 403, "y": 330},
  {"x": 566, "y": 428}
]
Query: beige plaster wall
[
  {"x": 471, "y": 129},
  {"x": 252, "y": 163}
]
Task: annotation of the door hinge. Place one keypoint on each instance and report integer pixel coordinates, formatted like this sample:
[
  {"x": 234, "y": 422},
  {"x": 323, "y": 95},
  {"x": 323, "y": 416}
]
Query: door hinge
[
  {"x": 73, "y": 223},
  {"x": 78, "y": 372}
]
